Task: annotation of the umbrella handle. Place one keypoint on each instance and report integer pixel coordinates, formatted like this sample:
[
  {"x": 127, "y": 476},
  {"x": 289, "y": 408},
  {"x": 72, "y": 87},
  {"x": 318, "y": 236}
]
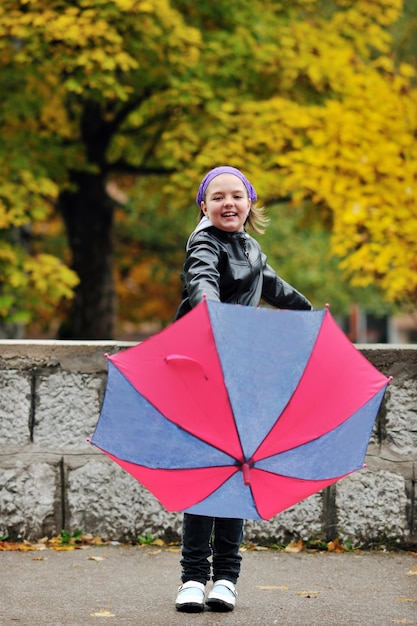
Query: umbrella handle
[
  {"x": 246, "y": 474},
  {"x": 181, "y": 357}
]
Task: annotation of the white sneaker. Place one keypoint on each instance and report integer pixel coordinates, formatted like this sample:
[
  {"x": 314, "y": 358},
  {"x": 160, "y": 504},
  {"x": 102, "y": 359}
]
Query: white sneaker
[
  {"x": 190, "y": 598},
  {"x": 222, "y": 597}
]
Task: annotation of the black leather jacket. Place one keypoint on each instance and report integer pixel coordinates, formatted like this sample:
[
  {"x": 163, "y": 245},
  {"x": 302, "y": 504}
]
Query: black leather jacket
[{"x": 230, "y": 267}]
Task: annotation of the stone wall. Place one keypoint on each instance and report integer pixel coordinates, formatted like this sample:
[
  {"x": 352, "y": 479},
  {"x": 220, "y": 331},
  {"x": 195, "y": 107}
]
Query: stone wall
[{"x": 51, "y": 478}]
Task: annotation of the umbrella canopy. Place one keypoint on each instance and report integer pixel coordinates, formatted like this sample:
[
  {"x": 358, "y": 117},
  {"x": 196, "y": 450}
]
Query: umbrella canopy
[{"x": 239, "y": 411}]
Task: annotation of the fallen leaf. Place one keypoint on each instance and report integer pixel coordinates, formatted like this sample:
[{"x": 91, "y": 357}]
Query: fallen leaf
[
  {"x": 293, "y": 548},
  {"x": 173, "y": 549},
  {"x": 413, "y": 571},
  {"x": 103, "y": 613},
  {"x": 153, "y": 552},
  {"x": 96, "y": 558},
  {"x": 405, "y": 599},
  {"x": 55, "y": 541},
  {"x": 309, "y": 594},
  {"x": 335, "y": 546},
  {"x": 38, "y": 558},
  {"x": 157, "y": 542},
  {"x": 97, "y": 541}
]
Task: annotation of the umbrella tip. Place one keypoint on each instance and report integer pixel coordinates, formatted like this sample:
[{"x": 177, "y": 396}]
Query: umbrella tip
[{"x": 327, "y": 306}]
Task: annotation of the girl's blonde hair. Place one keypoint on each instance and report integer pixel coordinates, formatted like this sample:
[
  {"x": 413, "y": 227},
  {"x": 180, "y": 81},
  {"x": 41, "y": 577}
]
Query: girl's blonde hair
[{"x": 257, "y": 219}]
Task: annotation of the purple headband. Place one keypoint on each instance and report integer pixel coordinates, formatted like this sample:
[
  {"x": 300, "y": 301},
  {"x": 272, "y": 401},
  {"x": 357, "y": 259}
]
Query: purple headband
[{"x": 223, "y": 169}]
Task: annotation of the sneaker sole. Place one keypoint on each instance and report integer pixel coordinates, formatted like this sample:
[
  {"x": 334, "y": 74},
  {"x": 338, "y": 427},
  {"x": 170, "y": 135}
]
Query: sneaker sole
[
  {"x": 190, "y": 607},
  {"x": 219, "y": 605}
]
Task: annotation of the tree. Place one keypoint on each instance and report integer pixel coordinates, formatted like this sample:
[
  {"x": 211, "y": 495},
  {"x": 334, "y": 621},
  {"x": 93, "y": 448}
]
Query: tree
[
  {"x": 104, "y": 89},
  {"x": 107, "y": 82}
]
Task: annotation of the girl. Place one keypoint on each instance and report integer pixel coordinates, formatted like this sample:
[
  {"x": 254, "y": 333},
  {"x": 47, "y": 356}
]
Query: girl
[{"x": 225, "y": 264}]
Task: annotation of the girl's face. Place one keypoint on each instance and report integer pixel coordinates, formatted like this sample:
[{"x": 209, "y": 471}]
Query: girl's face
[{"x": 226, "y": 203}]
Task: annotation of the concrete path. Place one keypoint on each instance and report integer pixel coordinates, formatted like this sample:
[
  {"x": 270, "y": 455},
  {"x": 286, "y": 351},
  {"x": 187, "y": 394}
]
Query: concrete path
[{"x": 126, "y": 586}]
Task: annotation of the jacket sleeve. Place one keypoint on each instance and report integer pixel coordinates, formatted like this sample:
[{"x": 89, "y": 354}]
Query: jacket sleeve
[
  {"x": 278, "y": 293},
  {"x": 201, "y": 274}
]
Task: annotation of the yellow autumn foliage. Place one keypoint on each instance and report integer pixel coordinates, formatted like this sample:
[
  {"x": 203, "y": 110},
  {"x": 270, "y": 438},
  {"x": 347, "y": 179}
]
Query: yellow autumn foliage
[
  {"x": 57, "y": 51},
  {"x": 369, "y": 182},
  {"x": 306, "y": 98},
  {"x": 352, "y": 153}
]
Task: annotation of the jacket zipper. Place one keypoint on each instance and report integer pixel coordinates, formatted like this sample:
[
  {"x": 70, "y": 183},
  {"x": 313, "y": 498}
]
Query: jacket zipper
[{"x": 244, "y": 244}]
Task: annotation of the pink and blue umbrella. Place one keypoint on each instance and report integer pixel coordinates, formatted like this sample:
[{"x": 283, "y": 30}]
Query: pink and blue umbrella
[{"x": 242, "y": 412}]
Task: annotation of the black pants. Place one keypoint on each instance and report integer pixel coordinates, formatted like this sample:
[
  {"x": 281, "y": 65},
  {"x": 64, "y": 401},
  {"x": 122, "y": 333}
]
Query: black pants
[{"x": 218, "y": 537}]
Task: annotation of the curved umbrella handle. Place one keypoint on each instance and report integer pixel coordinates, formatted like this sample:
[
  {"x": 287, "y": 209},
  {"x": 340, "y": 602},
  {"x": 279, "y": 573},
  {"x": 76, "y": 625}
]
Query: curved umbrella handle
[{"x": 181, "y": 357}]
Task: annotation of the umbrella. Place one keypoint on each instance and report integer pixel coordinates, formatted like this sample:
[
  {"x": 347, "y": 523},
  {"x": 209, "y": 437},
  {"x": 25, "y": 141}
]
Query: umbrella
[{"x": 235, "y": 411}]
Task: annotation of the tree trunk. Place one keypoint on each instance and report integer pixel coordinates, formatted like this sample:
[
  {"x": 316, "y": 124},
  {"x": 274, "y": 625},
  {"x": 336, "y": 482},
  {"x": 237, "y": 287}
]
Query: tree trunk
[{"x": 88, "y": 216}]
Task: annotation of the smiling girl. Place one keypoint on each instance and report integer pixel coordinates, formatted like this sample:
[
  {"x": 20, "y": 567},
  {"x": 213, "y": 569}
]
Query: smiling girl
[{"x": 225, "y": 264}]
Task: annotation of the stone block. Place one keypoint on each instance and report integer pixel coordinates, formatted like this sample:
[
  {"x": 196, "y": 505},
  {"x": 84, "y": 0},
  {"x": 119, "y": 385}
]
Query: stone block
[
  {"x": 29, "y": 500},
  {"x": 372, "y": 505},
  {"x": 15, "y": 408},
  {"x": 67, "y": 409},
  {"x": 401, "y": 418}
]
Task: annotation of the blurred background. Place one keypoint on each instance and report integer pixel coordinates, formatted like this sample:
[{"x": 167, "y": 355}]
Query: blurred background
[{"x": 113, "y": 110}]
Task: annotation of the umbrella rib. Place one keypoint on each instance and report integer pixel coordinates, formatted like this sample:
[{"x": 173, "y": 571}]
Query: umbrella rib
[{"x": 308, "y": 480}]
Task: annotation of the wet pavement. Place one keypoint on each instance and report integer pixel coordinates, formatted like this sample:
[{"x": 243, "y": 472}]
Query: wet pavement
[{"x": 127, "y": 585}]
